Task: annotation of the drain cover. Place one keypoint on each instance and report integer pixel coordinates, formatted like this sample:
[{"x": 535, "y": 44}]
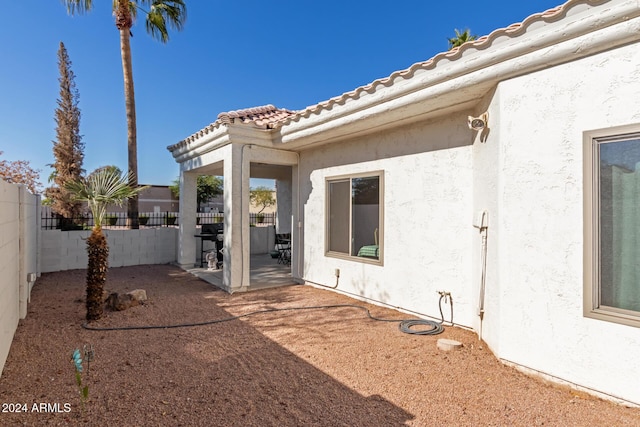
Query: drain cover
[{"x": 447, "y": 345}]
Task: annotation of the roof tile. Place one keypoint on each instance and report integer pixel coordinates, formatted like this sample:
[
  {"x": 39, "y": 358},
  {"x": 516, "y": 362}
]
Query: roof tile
[{"x": 270, "y": 117}]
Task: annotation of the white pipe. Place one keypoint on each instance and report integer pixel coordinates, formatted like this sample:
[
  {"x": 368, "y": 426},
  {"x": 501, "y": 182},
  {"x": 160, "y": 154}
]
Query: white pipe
[{"x": 482, "y": 225}]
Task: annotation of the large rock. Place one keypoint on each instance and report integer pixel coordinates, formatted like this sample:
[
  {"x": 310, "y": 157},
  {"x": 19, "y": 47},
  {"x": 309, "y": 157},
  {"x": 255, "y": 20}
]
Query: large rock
[
  {"x": 119, "y": 302},
  {"x": 139, "y": 295}
]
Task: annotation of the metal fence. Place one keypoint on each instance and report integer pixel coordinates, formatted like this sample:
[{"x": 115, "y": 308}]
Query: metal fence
[
  {"x": 262, "y": 219},
  {"x": 51, "y": 221},
  {"x": 255, "y": 219}
]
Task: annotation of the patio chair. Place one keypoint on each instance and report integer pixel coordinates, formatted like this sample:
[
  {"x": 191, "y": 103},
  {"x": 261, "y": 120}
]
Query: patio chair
[{"x": 283, "y": 246}]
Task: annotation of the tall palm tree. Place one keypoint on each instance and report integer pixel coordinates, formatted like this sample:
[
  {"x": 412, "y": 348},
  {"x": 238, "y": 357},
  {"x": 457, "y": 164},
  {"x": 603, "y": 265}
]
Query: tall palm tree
[
  {"x": 104, "y": 187},
  {"x": 160, "y": 14},
  {"x": 461, "y": 38}
]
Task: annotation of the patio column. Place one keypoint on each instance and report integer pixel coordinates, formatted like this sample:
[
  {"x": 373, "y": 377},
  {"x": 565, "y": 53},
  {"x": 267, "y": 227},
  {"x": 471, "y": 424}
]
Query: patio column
[
  {"x": 236, "y": 223},
  {"x": 284, "y": 207},
  {"x": 188, "y": 206}
]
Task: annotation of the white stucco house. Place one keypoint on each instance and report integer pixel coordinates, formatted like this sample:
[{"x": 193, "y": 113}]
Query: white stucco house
[{"x": 530, "y": 219}]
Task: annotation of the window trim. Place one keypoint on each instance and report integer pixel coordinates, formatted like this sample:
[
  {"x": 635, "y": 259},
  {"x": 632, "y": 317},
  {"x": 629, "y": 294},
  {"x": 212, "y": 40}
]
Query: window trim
[
  {"x": 591, "y": 291},
  {"x": 328, "y": 180}
]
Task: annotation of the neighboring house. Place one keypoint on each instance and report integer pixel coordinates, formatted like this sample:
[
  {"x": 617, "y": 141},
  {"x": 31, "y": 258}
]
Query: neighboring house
[
  {"x": 529, "y": 220},
  {"x": 155, "y": 199},
  {"x": 216, "y": 204}
]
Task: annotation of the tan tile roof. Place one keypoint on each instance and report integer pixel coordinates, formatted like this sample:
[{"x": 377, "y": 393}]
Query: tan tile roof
[
  {"x": 270, "y": 117},
  {"x": 513, "y": 30},
  {"x": 260, "y": 116}
]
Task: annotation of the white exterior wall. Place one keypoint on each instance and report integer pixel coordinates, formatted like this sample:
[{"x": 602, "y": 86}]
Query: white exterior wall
[
  {"x": 427, "y": 216},
  {"x": 539, "y": 223},
  {"x": 67, "y": 250}
]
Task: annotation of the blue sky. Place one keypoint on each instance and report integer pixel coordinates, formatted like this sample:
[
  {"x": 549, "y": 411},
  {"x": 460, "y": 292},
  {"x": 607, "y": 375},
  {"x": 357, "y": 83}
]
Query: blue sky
[{"x": 230, "y": 55}]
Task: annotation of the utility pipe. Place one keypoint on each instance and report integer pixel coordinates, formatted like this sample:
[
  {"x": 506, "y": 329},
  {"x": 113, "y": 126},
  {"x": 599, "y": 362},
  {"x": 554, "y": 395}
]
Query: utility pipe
[{"x": 482, "y": 225}]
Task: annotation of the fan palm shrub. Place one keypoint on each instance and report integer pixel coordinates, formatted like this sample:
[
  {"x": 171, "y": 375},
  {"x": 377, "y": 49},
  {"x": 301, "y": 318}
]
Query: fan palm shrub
[
  {"x": 100, "y": 189},
  {"x": 160, "y": 16},
  {"x": 461, "y": 38}
]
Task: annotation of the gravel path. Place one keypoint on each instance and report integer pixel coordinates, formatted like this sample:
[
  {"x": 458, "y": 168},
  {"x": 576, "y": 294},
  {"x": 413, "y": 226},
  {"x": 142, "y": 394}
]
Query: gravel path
[{"x": 321, "y": 367}]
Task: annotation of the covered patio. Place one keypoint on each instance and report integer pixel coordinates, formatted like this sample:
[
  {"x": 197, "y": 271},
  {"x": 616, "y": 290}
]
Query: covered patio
[
  {"x": 264, "y": 272},
  {"x": 238, "y": 146}
]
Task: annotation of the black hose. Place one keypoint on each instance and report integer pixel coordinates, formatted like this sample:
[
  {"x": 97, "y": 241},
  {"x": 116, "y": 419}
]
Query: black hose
[{"x": 404, "y": 326}]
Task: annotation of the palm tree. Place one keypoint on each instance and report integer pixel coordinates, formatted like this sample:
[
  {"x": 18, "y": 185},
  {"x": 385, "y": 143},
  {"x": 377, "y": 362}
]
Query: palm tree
[
  {"x": 461, "y": 38},
  {"x": 101, "y": 188},
  {"x": 160, "y": 15}
]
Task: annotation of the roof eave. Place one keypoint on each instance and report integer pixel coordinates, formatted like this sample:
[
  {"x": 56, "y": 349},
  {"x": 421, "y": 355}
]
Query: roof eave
[
  {"x": 205, "y": 141},
  {"x": 437, "y": 87}
]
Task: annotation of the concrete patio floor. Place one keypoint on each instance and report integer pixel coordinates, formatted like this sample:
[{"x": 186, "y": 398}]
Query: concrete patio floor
[{"x": 265, "y": 272}]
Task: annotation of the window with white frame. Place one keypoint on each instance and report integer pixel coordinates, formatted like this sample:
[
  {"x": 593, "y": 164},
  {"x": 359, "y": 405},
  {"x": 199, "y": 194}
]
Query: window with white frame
[
  {"x": 354, "y": 216},
  {"x": 612, "y": 225}
]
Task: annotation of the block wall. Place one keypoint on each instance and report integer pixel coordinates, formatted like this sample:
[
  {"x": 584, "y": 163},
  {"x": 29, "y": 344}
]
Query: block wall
[{"x": 66, "y": 250}]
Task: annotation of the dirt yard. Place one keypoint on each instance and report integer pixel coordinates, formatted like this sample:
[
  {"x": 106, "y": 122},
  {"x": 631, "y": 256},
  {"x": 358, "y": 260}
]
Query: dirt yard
[{"x": 315, "y": 367}]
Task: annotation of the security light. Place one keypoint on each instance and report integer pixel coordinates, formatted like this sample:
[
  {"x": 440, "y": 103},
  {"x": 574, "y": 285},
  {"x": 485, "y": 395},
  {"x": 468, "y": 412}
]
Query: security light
[{"x": 478, "y": 123}]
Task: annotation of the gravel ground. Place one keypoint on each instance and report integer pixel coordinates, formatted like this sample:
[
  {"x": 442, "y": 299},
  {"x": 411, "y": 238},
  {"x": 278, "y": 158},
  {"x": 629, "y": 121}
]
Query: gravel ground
[{"x": 319, "y": 367}]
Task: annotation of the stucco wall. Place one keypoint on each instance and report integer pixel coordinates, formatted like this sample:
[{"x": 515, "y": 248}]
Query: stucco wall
[
  {"x": 427, "y": 216},
  {"x": 486, "y": 198},
  {"x": 526, "y": 172},
  {"x": 67, "y": 250},
  {"x": 542, "y": 117}
]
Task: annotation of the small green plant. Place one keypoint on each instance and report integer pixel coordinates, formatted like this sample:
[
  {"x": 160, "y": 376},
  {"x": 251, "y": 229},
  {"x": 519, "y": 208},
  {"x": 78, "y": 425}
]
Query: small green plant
[{"x": 76, "y": 359}]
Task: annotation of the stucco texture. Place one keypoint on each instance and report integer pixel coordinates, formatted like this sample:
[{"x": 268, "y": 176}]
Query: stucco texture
[{"x": 540, "y": 220}]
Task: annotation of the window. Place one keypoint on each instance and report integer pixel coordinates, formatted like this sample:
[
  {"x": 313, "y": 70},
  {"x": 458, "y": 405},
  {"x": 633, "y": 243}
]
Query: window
[
  {"x": 612, "y": 225},
  {"x": 354, "y": 217}
]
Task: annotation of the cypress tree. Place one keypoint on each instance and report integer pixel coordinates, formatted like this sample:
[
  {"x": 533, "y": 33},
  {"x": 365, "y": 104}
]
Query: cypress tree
[{"x": 68, "y": 146}]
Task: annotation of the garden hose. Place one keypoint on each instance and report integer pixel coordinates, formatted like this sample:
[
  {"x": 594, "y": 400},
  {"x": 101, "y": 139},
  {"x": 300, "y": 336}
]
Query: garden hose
[{"x": 404, "y": 325}]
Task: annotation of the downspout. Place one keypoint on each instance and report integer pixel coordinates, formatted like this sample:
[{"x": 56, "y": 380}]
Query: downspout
[{"x": 482, "y": 224}]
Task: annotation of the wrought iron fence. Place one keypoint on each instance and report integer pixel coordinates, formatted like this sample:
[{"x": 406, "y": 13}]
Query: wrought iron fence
[
  {"x": 52, "y": 221},
  {"x": 262, "y": 219},
  {"x": 255, "y": 219}
]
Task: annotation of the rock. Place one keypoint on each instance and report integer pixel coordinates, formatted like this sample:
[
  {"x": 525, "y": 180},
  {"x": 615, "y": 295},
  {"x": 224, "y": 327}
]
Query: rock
[
  {"x": 139, "y": 295},
  {"x": 119, "y": 302}
]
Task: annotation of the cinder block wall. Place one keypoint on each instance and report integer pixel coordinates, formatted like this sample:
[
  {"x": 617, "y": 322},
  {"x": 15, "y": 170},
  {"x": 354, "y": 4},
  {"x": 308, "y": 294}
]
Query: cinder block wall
[
  {"x": 67, "y": 250},
  {"x": 9, "y": 253},
  {"x": 263, "y": 239},
  {"x": 29, "y": 246},
  {"x": 19, "y": 230}
]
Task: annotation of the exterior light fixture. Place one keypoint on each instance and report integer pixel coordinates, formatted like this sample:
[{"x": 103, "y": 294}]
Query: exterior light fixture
[{"x": 478, "y": 123}]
